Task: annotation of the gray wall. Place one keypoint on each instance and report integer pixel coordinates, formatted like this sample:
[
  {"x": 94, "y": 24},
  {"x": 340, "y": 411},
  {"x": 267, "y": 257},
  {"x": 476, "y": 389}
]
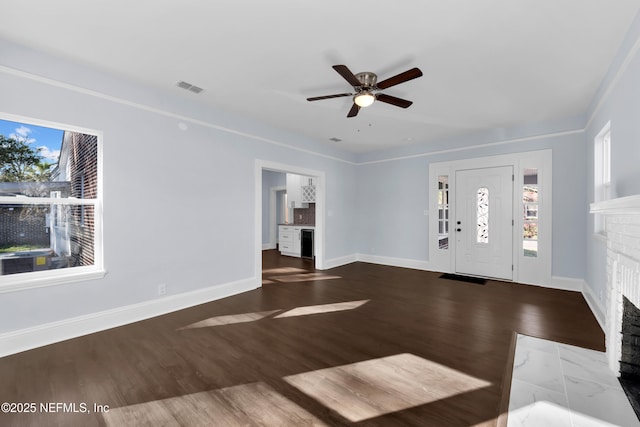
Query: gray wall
[
  {"x": 618, "y": 101},
  {"x": 178, "y": 204},
  {"x": 393, "y": 195}
]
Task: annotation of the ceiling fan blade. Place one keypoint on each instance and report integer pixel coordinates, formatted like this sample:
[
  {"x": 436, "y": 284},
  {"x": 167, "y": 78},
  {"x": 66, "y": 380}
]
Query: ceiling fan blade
[
  {"x": 347, "y": 75},
  {"x": 354, "y": 110},
  {"x": 338, "y": 95},
  {"x": 400, "y": 78},
  {"x": 398, "y": 102}
]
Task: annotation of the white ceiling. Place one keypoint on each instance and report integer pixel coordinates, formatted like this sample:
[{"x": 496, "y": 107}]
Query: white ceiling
[{"x": 486, "y": 64}]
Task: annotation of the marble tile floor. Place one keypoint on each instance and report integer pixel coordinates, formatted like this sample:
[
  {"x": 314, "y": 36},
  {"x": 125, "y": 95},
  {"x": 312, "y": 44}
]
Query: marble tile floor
[{"x": 556, "y": 384}]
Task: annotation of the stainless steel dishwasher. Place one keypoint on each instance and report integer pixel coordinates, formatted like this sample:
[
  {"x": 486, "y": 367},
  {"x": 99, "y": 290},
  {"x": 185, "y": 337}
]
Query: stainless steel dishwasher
[{"x": 306, "y": 243}]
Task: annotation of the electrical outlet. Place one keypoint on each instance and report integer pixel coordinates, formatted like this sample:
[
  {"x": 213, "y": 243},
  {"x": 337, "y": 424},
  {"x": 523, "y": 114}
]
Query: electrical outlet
[{"x": 162, "y": 289}]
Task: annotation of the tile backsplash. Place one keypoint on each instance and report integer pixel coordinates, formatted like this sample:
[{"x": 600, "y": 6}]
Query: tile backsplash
[{"x": 306, "y": 216}]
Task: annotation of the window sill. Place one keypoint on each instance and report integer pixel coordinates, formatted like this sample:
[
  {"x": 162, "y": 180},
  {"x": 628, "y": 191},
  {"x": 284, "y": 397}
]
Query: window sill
[{"x": 39, "y": 279}]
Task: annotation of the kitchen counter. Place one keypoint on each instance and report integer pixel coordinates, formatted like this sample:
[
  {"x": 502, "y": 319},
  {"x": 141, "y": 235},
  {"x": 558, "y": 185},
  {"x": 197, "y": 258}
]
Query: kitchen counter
[{"x": 296, "y": 240}]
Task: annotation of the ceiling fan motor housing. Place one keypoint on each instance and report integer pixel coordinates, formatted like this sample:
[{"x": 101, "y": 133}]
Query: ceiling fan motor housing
[{"x": 367, "y": 79}]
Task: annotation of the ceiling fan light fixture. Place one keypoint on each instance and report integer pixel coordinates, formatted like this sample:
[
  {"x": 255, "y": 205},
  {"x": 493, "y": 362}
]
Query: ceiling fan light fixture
[
  {"x": 364, "y": 99},
  {"x": 366, "y": 83}
]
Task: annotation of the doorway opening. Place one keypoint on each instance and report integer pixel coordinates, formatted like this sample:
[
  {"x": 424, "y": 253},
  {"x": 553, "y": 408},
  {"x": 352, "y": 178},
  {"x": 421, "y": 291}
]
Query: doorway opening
[{"x": 287, "y": 210}]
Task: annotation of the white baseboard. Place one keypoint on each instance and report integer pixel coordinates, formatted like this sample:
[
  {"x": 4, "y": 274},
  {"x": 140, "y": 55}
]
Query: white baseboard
[
  {"x": 595, "y": 305},
  {"x": 337, "y": 262},
  {"x": 376, "y": 259},
  {"x": 567, "y": 283},
  {"x": 394, "y": 262},
  {"x": 38, "y": 336}
]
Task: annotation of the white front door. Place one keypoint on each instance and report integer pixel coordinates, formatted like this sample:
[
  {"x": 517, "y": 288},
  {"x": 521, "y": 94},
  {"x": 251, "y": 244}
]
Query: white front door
[{"x": 484, "y": 222}]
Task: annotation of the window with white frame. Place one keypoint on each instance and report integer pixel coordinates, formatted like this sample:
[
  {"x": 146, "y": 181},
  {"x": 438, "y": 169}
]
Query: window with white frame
[
  {"x": 530, "y": 218},
  {"x": 50, "y": 210},
  {"x": 602, "y": 173},
  {"x": 443, "y": 212}
]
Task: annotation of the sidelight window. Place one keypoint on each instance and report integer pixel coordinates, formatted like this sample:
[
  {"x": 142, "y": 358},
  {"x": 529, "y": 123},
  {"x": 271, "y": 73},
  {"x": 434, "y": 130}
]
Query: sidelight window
[
  {"x": 530, "y": 193},
  {"x": 443, "y": 212}
]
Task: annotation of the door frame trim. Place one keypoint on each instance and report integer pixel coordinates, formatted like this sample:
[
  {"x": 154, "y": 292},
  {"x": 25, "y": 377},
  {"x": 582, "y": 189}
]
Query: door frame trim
[
  {"x": 320, "y": 232},
  {"x": 525, "y": 269},
  {"x": 273, "y": 216}
]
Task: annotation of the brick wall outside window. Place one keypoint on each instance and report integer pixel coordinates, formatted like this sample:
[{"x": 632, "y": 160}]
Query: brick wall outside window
[
  {"x": 23, "y": 226},
  {"x": 83, "y": 166}
]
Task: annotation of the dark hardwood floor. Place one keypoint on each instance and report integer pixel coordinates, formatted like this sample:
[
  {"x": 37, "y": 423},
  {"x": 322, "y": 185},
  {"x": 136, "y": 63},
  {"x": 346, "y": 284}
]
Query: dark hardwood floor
[{"x": 361, "y": 344}]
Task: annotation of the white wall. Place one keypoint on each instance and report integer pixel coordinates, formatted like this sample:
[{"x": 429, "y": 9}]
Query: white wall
[{"x": 178, "y": 204}]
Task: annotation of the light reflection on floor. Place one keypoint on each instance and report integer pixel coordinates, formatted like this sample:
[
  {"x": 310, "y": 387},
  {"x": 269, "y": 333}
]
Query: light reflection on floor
[
  {"x": 242, "y": 405},
  {"x": 372, "y": 388},
  {"x": 231, "y": 319},
  {"x": 307, "y": 277},
  {"x": 284, "y": 270},
  {"x": 323, "y": 308}
]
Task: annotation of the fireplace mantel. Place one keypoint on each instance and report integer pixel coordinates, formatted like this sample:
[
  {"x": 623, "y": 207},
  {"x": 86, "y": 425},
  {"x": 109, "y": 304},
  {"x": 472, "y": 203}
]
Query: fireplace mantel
[{"x": 621, "y": 206}]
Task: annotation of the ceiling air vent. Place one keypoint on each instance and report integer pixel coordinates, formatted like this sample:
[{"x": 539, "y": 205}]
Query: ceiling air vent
[{"x": 189, "y": 87}]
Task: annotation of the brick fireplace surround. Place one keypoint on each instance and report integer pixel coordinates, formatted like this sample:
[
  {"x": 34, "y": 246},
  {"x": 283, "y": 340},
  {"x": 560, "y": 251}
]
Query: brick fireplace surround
[{"x": 623, "y": 267}]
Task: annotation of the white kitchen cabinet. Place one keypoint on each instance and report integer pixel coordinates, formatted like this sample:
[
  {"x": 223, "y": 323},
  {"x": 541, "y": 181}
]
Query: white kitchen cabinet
[
  {"x": 285, "y": 239},
  {"x": 308, "y": 189},
  {"x": 294, "y": 191},
  {"x": 296, "y": 241},
  {"x": 289, "y": 240},
  {"x": 301, "y": 190}
]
